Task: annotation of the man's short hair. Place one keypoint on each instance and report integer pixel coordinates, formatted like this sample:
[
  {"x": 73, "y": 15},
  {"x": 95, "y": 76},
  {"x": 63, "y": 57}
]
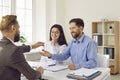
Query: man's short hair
[
  {"x": 79, "y": 22},
  {"x": 7, "y": 21}
]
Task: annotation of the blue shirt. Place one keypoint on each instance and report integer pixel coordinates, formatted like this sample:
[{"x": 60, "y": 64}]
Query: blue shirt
[{"x": 83, "y": 53}]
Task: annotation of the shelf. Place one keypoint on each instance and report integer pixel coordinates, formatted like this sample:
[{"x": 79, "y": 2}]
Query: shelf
[
  {"x": 110, "y": 52},
  {"x": 106, "y": 35},
  {"x": 110, "y": 46},
  {"x": 109, "y": 27},
  {"x": 109, "y": 40},
  {"x": 111, "y": 62},
  {"x": 97, "y": 34},
  {"x": 98, "y": 39},
  {"x": 97, "y": 27},
  {"x": 100, "y": 46}
]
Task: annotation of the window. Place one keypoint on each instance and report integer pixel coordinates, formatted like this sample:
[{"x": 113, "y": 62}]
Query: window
[
  {"x": 5, "y": 8},
  {"x": 23, "y": 10},
  {"x": 24, "y": 14}
]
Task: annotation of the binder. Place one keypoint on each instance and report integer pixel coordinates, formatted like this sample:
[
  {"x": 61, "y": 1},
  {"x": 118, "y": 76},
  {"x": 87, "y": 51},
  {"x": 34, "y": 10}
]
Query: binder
[{"x": 84, "y": 74}]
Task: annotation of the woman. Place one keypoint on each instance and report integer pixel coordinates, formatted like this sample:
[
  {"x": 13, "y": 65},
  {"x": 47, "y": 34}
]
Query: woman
[{"x": 56, "y": 44}]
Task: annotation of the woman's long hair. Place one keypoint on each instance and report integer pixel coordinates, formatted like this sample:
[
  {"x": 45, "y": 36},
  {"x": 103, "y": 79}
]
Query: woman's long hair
[{"x": 61, "y": 39}]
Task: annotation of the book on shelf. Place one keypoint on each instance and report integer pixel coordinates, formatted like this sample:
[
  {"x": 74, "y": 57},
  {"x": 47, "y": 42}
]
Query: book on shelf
[
  {"x": 110, "y": 52},
  {"x": 98, "y": 39}
]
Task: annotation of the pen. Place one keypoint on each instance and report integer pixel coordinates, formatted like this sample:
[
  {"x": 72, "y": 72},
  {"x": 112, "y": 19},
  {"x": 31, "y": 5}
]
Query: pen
[{"x": 52, "y": 65}]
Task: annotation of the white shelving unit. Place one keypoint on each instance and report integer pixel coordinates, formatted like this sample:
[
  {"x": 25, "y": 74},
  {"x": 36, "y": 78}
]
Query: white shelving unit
[{"x": 106, "y": 35}]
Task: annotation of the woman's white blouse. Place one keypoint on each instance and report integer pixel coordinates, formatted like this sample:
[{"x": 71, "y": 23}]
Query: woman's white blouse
[{"x": 57, "y": 49}]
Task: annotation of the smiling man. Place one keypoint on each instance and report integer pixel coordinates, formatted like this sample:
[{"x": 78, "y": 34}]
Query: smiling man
[{"x": 82, "y": 49}]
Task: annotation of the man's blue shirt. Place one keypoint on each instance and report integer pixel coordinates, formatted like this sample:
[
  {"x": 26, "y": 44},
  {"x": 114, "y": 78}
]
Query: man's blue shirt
[{"x": 83, "y": 53}]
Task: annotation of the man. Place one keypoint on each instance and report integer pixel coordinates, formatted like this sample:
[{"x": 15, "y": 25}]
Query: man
[
  {"x": 82, "y": 49},
  {"x": 12, "y": 60}
]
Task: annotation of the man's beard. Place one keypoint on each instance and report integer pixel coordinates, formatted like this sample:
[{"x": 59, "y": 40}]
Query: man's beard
[
  {"x": 17, "y": 38},
  {"x": 76, "y": 35}
]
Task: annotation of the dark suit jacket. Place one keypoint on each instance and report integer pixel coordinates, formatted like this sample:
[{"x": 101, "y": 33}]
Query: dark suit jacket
[{"x": 13, "y": 63}]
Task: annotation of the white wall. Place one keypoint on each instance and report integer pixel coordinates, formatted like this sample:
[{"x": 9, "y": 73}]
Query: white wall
[
  {"x": 50, "y": 15},
  {"x": 39, "y": 20},
  {"x": 55, "y": 14},
  {"x": 45, "y": 14},
  {"x": 92, "y": 10}
]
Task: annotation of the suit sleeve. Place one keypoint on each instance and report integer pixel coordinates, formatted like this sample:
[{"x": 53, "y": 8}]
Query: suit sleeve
[
  {"x": 24, "y": 48},
  {"x": 18, "y": 62}
]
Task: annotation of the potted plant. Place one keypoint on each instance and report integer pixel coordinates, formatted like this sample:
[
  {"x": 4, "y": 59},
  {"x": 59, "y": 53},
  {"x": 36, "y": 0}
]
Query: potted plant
[{"x": 23, "y": 39}]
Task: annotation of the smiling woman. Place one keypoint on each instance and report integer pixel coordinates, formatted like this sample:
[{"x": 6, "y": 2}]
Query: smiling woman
[{"x": 56, "y": 45}]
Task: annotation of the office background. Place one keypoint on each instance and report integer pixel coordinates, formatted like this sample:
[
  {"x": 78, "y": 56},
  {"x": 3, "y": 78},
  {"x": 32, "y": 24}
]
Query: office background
[
  {"x": 61, "y": 11},
  {"x": 45, "y": 13}
]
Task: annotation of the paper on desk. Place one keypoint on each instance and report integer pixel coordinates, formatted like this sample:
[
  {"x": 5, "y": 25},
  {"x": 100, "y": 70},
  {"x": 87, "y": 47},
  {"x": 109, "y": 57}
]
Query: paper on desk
[
  {"x": 54, "y": 68},
  {"x": 34, "y": 64},
  {"x": 57, "y": 68},
  {"x": 84, "y": 72}
]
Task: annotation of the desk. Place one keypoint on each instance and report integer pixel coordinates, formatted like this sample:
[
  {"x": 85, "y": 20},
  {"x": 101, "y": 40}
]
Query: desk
[{"x": 61, "y": 75}]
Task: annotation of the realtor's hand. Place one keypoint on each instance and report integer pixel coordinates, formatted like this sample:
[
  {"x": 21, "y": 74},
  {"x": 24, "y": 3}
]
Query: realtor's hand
[
  {"x": 41, "y": 70},
  {"x": 71, "y": 66},
  {"x": 45, "y": 53},
  {"x": 38, "y": 44}
]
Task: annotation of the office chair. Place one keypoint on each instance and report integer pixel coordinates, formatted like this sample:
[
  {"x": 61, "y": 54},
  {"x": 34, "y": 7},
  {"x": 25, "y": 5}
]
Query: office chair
[{"x": 102, "y": 60}]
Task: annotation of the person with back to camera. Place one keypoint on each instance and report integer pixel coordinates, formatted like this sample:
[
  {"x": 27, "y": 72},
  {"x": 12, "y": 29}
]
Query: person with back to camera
[
  {"x": 12, "y": 60},
  {"x": 82, "y": 49},
  {"x": 56, "y": 45}
]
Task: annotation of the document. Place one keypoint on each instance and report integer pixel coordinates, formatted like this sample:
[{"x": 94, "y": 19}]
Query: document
[
  {"x": 84, "y": 73},
  {"x": 52, "y": 68},
  {"x": 57, "y": 68}
]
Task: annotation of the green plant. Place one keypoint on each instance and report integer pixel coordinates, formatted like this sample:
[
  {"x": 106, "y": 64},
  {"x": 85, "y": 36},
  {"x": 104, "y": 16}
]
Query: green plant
[{"x": 23, "y": 39}]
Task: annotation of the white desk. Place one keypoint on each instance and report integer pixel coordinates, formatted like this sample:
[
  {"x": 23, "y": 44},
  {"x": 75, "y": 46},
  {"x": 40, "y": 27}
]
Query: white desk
[{"x": 61, "y": 75}]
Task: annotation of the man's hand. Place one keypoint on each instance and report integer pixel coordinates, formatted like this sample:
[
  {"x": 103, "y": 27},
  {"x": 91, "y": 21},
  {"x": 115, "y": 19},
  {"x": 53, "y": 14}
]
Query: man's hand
[
  {"x": 41, "y": 70},
  {"x": 38, "y": 44},
  {"x": 45, "y": 53},
  {"x": 71, "y": 66}
]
